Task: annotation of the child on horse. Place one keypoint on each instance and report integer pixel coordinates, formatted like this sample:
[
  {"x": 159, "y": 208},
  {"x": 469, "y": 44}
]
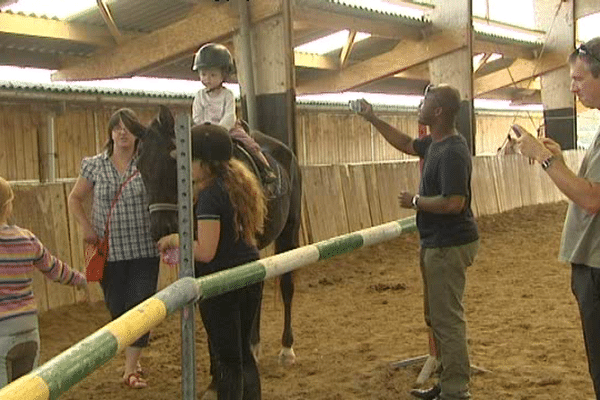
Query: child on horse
[{"x": 216, "y": 104}]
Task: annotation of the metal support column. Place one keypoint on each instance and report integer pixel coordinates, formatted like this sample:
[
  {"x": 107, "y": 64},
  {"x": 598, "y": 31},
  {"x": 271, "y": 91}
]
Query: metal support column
[{"x": 186, "y": 253}]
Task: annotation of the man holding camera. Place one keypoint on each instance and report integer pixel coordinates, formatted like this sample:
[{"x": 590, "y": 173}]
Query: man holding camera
[{"x": 448, "y": 233}]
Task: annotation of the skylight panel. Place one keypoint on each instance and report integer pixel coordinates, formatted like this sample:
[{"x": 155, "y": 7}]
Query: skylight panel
[
  {"x": 331, "y": 42},
  {"x": 62, "y": 9},
  {"x": 587, "y": 27}
]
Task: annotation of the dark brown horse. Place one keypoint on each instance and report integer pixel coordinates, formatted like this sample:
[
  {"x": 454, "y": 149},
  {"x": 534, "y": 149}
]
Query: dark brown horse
[{"x": 158, "y": 169}]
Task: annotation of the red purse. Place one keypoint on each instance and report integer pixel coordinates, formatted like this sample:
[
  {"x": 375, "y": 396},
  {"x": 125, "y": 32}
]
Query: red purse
[{"x": 96, "y": 255}]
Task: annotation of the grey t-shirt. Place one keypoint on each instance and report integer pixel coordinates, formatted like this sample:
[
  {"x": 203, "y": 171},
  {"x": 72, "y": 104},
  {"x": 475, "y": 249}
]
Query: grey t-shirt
[{"x": 580, "y": 243}]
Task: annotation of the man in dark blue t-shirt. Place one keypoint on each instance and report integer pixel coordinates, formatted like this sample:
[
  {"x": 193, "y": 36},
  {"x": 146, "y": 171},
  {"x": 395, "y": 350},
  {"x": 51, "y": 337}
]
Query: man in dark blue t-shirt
[{"x": 447, "y": 229}]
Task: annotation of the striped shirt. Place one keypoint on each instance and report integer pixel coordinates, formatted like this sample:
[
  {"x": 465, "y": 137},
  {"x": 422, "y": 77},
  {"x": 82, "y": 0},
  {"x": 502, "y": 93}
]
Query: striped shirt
[
  {"x": 130, "y": 219},
  {"x": 20, "y": 254}
]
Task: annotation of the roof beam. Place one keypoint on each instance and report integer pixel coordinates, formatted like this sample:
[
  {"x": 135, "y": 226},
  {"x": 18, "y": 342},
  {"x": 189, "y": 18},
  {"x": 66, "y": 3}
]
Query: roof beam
[
  {"x": 583, "y": 8},
  {"x": 317, "y": 61},
  {"x": 483, "y": 45},
  {"x": 405, "y": 55},
  {"x": 15, "y": 24},
  {"x": 166, "y": 44},
  {"x": 418, "y": 72},
  {"x": 484, "y": 59},
  {"x": 382, "y": 27},
  {"x": 519, "y": 71},
  {"x": 345, "y": 54}
]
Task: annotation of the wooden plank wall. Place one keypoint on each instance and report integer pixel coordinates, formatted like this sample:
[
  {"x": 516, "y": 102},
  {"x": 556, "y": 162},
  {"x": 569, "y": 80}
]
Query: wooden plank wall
[
  {"x": 338, "y": 199},
  {"x": 334, "y": 136},
  {"x": 80, "y": 130},
  {"x": 20, "y": 128},
  {"x": 324, "y": 136}
]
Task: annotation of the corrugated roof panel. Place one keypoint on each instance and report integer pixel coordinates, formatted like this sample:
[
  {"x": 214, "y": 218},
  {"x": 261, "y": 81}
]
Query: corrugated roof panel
[
  {"x": 139, "y": 15},
  {"x": 406, "y": 17},
  {"x": 70, "y": 88}
]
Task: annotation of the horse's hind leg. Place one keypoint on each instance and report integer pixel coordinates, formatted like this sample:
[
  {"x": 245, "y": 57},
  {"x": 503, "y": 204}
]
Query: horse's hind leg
[
  {"x": 288, "y": 240},
  {"x": 286, "y": 355}
]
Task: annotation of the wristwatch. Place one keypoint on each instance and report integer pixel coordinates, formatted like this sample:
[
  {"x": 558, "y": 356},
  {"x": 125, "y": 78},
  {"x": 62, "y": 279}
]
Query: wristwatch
[
  {"x": 414, "y": 201},
  {"x": 547, "y": 162}
]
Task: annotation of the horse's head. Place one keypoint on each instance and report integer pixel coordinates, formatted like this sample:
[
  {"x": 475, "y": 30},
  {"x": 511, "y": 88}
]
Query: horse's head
[{"x": 158, "y": 167}]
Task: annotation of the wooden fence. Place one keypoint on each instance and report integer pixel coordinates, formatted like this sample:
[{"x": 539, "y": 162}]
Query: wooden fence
[
  {"x": 33, "y": 151},
  {"x": 337, "y": 199},
  {"x": 334, "y": 136}
]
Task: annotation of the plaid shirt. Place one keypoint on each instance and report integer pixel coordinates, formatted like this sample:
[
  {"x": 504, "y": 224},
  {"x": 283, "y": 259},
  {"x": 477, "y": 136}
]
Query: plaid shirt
[{"x": 130, "y": 218}]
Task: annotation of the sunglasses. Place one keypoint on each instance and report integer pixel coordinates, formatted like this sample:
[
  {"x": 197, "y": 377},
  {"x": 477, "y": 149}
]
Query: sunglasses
[
  {"x": 583, "y": 50},
  {"x": 427, "y": 90}
]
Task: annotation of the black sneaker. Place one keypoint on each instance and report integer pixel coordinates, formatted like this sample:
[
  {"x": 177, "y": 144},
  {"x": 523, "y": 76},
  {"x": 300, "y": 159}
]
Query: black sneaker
[{"x": 427, "y": 394}]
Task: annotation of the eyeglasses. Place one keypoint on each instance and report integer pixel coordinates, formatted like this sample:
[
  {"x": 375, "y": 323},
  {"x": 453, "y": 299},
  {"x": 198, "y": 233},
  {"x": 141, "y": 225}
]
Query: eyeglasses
[{"x": 583, "y": 50}]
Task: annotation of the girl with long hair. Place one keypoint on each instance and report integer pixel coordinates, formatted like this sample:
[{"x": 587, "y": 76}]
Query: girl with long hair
[{"x": 230, "y": 209}]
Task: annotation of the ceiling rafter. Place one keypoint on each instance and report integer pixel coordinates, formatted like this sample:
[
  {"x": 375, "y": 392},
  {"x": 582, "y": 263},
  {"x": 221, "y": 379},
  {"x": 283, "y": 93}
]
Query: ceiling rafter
[
  {"x": 519, "y": 71},
  {"x": 484, "y": 58},
  {"x": 317, "y": 61},
  {"x": 405, "y": 55},
  {"x": 345, "y": 53},
  {"x": 109, "y": 21},
  {"x": 17, "y": 24},
  {"x": 158, "y": 47}
]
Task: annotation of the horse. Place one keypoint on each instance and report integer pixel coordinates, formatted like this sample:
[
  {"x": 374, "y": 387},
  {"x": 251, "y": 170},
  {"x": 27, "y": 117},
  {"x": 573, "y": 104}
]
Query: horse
[{"x": 157, "y": 165}]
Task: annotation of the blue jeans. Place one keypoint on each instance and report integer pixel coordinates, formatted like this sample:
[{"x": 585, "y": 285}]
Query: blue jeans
[
  {"x": 228, "y": 322},
  {"x": 585, "y": 284},
  {"x": 128, "y": 283}
]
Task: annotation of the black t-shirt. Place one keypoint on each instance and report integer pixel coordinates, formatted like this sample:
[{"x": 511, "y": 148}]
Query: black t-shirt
[
  {"x": 446, "y": 171},
  {"x": 214, "y": 204}
]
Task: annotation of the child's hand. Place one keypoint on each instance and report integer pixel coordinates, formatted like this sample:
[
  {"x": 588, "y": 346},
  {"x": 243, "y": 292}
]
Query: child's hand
[
  {"x": 168, "y": 241},
  {"x": 82, "y": 284}
]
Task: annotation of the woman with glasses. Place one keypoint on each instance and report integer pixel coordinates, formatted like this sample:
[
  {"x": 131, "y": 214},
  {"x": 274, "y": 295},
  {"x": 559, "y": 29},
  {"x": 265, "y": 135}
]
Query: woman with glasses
[{"x": 131, "y": 273}]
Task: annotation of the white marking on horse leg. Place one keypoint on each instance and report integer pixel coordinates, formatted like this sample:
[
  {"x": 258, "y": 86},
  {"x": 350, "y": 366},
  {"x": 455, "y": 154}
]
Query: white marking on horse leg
[
  {"x": 287, "y": 357},
  {"x": 256, "y": 351}
]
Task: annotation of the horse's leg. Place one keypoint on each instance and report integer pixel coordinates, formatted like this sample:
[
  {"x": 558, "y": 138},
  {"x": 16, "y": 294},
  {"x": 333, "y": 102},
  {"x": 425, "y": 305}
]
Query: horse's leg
[
  {"x": 287, "y": 240},
  {"x": 286, "y": 355},
  {"x": 255, "y": 333}
]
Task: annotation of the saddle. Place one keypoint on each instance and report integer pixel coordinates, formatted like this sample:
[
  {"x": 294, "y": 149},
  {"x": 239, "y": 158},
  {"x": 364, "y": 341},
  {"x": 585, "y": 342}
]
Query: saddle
[{"x": 271, "y": 189}]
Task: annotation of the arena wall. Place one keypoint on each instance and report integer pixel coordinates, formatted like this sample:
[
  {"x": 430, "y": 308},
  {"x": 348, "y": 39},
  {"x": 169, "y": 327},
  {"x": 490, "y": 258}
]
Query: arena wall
[
  {"x": 325, "y": 134},
  {"x": 337, "y": 199}
]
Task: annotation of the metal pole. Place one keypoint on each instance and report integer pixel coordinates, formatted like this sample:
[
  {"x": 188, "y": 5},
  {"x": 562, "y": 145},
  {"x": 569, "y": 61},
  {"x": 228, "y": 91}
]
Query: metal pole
[
  {"x": 247, "y": 67},
  {"x": 186, "y": 253}
]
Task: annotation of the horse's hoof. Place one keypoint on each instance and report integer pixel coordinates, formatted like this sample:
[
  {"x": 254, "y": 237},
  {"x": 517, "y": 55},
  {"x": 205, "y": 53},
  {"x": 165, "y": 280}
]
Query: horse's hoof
[
  {"x": 256, "y": 350},
  {"x": 210, "y": 394},
  {"x": 287, "y": 357}
]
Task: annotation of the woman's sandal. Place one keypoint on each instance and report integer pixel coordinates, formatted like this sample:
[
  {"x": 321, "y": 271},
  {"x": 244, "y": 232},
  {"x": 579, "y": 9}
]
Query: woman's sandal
[{"x": 135, "y": 381}]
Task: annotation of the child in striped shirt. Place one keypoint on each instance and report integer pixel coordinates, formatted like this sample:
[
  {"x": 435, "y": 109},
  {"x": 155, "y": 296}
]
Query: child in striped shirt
[{"x": 21, "y": 252}]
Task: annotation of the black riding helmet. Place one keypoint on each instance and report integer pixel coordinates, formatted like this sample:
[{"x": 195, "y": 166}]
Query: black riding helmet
[
  {"x": 214, "y": 55},
  {"x": 211, "y": 143}
]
